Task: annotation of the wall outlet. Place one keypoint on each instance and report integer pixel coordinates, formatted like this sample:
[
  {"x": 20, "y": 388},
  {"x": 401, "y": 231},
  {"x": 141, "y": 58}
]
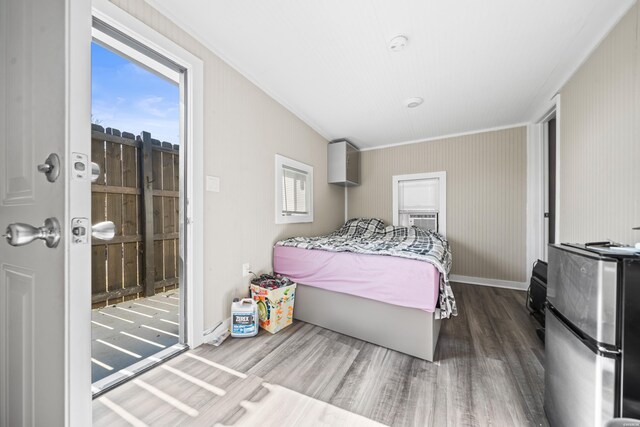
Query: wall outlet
[{"x": 246, "y": 269}]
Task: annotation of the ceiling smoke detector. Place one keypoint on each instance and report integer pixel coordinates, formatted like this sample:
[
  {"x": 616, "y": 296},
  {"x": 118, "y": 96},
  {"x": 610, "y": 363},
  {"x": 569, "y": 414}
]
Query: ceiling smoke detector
[
  {"x": 398, "y": 43},
  {"x": 413, "y": 102}
]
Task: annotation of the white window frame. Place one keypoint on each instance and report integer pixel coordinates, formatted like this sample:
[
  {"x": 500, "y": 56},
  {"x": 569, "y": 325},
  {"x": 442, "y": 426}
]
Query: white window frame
[
  {"x": 282, "y": 161},
  {"x": 442, "y": 194}
]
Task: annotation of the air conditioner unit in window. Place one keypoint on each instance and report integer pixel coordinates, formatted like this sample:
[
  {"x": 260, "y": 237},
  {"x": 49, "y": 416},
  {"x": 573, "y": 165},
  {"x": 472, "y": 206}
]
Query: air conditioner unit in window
[{"x": 426, "y": 221}]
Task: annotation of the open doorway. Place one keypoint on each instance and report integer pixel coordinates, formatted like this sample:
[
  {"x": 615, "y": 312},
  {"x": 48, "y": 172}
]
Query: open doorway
[
  {"x": 550, "y": 170},
  {"x": 138, "y": 303}
]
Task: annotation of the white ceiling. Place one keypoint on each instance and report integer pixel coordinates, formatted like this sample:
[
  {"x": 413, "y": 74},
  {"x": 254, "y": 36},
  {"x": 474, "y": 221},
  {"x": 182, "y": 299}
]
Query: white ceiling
[{"x": 477, "y": 64}]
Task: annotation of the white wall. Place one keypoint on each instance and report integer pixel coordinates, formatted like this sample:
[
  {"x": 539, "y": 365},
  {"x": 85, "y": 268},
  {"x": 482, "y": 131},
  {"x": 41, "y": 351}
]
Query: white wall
[
  {"x": 486, "y": 196},
  {"x": 599, "y": 153},
  {"x": 244, "y": 129}
]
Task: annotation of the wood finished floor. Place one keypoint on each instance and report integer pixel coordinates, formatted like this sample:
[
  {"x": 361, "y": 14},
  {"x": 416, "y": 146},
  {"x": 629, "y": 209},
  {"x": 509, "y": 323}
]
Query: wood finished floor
[{"x": 488, "y": 372}]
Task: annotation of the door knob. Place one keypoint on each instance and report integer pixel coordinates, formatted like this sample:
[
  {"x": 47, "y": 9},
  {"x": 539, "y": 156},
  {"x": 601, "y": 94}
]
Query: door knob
[
  {"x": 19, "y": 234},
  {"x": 51, "y": 167},
  {"x": 80, "y": 229},
  {"x": 95, "y": 171},
  {"x": 103, "y": 230}
]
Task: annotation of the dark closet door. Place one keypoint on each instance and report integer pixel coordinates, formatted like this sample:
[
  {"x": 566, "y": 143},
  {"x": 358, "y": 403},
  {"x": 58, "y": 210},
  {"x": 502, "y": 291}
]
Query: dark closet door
[{"x": 552, "y": 180}]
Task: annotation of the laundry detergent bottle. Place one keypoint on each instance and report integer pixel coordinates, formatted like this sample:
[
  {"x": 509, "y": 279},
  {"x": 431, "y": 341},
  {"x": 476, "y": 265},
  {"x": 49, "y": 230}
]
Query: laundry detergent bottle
[{"x": 244, "y": 318}]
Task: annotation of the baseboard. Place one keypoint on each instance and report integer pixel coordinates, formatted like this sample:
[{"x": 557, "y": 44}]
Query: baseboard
[{"x": 496, "y": 283}]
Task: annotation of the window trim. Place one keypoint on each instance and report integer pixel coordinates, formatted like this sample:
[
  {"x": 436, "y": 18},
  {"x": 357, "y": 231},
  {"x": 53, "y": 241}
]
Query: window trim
[
  {"x": 441, "y": 176},
  {"x": 280, "y": 162}
]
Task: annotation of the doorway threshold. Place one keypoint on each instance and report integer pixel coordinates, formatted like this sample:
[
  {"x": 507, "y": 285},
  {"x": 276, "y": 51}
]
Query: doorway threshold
[{"x": 108, "y": 383}]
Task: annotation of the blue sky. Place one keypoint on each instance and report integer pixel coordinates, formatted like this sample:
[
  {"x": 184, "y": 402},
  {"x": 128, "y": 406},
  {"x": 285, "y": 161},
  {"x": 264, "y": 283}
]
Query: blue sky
[{"x": 127, "y": 97}]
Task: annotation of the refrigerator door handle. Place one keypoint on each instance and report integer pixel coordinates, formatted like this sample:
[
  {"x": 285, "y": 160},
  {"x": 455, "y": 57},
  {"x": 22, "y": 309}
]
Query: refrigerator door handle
[
  {"x": 595, "y": 346},
  {"x": 608, "y": 352}
]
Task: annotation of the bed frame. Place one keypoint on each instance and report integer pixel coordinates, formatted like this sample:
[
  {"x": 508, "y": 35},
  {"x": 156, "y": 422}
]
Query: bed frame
[{"x": 407, "y": 330}]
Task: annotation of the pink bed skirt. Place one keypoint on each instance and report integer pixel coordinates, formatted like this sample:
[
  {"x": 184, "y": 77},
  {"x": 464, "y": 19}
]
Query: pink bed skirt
[{"x": 399, "y": 281}]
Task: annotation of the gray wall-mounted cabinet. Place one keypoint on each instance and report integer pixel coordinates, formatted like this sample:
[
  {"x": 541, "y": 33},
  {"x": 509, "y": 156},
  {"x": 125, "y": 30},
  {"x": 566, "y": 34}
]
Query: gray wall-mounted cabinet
[{"x": 343, "y": 163}]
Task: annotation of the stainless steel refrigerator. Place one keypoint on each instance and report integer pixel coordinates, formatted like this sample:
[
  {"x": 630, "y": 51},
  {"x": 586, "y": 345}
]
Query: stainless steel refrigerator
[{"x": 592, "y": 343}]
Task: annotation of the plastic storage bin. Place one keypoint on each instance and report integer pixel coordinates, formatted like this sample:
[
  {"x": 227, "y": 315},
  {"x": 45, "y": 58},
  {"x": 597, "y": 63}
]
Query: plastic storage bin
[{"x": 275, "y": 306}]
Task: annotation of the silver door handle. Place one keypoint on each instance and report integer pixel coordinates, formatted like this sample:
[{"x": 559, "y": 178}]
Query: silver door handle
[
  {"x": 80, "y": 229},
  {"x": 19, "y": 234},
  {"x": 103, "y": 230},
  {"x": 95, "y": 171}
]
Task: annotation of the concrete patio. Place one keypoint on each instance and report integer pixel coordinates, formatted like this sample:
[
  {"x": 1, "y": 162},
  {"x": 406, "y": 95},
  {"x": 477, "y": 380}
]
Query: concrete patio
[{"x": 126, "y": 333}]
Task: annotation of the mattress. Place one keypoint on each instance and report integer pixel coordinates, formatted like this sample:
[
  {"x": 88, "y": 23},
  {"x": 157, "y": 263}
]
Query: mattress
[{"x": 393, "y": 280}]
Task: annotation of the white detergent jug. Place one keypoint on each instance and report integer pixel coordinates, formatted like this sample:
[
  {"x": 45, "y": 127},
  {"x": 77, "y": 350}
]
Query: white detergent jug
[{"x": 244, "y": 318}]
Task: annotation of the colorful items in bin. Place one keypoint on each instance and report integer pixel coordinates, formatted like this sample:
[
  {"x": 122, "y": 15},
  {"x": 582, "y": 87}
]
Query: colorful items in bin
[
  {"x": 269, "y": 281},
  {"x": 275, "y": 305},
  {"x": 244, "y": 318}
]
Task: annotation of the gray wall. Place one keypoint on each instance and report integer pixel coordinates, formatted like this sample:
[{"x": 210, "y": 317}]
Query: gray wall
[
  {"x": 243, "y": 129},
  {"x": 599, "y": 151},
  {"x": 486, "y": 196}
]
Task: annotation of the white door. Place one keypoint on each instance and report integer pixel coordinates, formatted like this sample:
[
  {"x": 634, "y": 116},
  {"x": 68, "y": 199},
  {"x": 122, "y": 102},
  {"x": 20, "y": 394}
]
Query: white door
[{"x": 44, "y": 292}]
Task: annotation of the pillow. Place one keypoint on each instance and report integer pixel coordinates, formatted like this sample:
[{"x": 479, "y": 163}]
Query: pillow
[{"x": 360, "y": 227}]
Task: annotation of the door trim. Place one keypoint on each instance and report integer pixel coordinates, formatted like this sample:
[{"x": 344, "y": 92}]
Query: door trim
[
  {"x": 77, "y": 204},
  {"x": 193, "y": 152}
]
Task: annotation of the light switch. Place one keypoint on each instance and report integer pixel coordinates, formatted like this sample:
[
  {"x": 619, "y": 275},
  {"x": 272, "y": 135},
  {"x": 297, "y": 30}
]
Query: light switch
[{"x": 213, "y": 184}]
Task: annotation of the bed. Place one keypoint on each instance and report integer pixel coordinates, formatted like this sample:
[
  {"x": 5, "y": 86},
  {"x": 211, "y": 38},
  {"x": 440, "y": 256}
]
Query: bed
[{"x": 385, "y": 285}]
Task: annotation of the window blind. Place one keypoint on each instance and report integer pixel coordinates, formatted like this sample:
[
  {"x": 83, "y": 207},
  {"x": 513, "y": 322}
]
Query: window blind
[
  {"x": 294, "y": 192},
  {"x": 418, "y": 195}
]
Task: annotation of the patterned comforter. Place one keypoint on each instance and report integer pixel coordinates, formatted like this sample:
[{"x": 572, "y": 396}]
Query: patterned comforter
[{"x": 369, "y": 236}]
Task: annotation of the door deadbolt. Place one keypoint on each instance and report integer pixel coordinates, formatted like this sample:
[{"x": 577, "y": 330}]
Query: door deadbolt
[
  {"x": 20, "y": 234},
  {"x": 51, "y": 167}
]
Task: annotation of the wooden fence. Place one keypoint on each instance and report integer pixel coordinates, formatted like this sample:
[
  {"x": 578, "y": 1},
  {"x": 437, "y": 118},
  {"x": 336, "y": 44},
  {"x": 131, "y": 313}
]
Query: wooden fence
[{"x": 138, "y": 189}]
